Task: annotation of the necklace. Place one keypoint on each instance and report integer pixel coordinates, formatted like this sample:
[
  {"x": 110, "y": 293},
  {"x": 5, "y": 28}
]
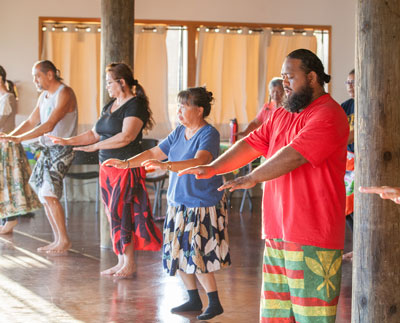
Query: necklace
[{"x": 117, "y": 105}]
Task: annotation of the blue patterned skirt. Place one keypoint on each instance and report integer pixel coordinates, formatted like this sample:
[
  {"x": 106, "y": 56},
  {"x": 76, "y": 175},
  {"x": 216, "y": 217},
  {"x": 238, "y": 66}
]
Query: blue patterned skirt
[{"x": 196, "y": 239}]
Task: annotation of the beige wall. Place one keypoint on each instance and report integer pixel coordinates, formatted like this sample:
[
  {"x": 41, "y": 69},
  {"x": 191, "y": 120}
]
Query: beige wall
[{"x": 19, "y": 28}]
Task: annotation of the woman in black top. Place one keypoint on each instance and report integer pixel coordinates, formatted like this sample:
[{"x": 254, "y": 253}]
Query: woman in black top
[{"x": 117, "y": 134}]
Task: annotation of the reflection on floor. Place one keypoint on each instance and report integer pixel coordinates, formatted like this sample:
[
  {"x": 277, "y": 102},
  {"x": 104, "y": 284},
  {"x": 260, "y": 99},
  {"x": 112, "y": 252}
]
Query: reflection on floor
[{"x": 39, "y": 288}]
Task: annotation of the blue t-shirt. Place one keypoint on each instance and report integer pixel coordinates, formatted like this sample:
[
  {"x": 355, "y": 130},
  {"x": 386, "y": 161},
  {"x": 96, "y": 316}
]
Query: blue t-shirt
[{"x": 187, "y": 190}]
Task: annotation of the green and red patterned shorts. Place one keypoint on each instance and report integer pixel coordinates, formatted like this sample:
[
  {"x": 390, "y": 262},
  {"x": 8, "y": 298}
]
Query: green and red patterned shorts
[{"x": 300, "y": 283}]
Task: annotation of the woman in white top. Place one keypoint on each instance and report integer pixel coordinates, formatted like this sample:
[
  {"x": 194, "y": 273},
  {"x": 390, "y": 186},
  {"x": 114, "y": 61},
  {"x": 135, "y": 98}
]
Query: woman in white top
[{"x": 16, "y": 195}]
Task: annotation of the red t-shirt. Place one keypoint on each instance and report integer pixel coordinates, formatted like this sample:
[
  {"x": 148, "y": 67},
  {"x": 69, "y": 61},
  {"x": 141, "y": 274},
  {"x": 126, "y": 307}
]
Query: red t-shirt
[
  {"x": 265, "y": 112},
  {"x": 307, "y": 205}
]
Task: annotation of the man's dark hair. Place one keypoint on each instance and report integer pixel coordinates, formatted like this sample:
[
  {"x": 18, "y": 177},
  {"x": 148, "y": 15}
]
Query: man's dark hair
[
  {"x": 46, "y": 66},
  {"x": 310, "y": 62}
]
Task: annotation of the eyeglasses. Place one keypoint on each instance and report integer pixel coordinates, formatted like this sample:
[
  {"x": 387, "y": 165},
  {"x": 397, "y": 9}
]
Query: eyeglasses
[
  {"x": 108, "y": 83},
  {"x": 349, "y": 82}
]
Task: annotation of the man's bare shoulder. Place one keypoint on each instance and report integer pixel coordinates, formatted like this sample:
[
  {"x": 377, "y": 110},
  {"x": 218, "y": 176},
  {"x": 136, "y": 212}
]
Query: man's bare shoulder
[{"x": 67, "y": 91}]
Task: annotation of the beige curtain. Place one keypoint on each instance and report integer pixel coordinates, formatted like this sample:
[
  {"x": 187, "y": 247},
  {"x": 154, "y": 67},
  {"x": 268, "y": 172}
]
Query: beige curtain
[
  {"x": 76, "y": 53},
  {"x": 231, "y": 65},
  {"x": 281, "y": 45},
  {"x": 237, "y": 67},
  {"x": 151, "y": 70}
]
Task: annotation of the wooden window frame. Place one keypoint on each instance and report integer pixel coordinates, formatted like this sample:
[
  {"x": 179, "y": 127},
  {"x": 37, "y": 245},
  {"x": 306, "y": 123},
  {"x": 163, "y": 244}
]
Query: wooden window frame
[{"x": 192, "y": 27}]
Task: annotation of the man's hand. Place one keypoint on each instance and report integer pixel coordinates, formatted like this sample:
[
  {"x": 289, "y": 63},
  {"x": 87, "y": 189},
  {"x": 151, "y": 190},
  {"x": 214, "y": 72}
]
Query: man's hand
[
  {"x": 385, "y": 192},
  {"x": 239, "y": 183},
  {"x": 5, "y": 138},
  {"x": 201, "y": 172}
]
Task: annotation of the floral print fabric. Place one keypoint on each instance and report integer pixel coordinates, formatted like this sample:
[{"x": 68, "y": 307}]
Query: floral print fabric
[
  {"x": 196, "y": 239},
  {"x": 16, "y": 195}
]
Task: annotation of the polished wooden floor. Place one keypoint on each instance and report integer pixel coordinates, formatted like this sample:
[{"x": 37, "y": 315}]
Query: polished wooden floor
[{"x": 39, "y": 288}]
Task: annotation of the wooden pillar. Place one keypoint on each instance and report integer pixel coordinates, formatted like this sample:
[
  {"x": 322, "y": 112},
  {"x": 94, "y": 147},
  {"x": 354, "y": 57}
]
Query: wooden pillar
[
  {"x": 117, "y": 28},
  {"x": 376, "y": 260},
  {"x": 192, "y": 30}
]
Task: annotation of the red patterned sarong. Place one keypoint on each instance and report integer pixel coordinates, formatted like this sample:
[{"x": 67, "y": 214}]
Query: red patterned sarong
[{"x": 128, "y": 209}]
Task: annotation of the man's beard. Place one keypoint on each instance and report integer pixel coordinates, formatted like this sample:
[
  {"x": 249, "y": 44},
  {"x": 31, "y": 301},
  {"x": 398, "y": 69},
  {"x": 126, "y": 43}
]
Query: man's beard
[{"x": 298, "y": 101}]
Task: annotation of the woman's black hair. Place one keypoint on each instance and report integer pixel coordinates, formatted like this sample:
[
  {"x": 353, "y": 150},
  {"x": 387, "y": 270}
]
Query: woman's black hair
[
  {"x": 121, "y": 71},
  {"x": 46, "y": 66},
  {"x": 310, "y": 62},
  {"x": 9, "y": 85},
  {"x": 198, "y": 97}
]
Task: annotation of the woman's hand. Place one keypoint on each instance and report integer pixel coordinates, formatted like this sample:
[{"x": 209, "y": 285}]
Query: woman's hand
[
  {"x": 153, "y": 164},
  {"x": 58, "y": 140},
  {"x": 385, "y": 192},
  {"x": 114, "y": 162},
  {"x": 239, "y": 183},
  {"x": 88, "y": 149}
]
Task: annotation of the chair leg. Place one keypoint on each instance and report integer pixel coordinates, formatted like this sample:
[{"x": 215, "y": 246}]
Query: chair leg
[
  {"x": 156, "y": 199},
  {"x": 97, "y": 196},
  {"x": 160, "y": 193},
  {"x": 65, "y": 198},
  {"x": 97, "y": 201},
  {"x": 243, "y": 200}
]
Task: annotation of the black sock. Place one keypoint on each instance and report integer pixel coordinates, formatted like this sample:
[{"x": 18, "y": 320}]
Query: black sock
[
  {"x": 193, "y": 304},
  {"x": 214, "y": 307}
]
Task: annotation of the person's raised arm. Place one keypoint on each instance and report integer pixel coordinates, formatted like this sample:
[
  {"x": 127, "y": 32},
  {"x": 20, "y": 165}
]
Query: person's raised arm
[
  {"x": 202, "y": 157},
  {"x": 237, "y": 156},
  {"x": 86, "y": 138},
  {"x": 26, "y": 125},
  {"x": 31, "y": 128},
  {"x": 385, "y": 192},
  {"x": 130, "y": 129},
  {"x": 253, "y": 125},
  {"x": 282, "y": 162},
  {"x": 351, "y": 137},
  {"x": 154, "y": 153}
]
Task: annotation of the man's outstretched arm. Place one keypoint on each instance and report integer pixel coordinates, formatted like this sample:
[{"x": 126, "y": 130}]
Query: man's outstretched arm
[
  {"x": 234, "y": 158},
  {"x": 282, "y": 162}
]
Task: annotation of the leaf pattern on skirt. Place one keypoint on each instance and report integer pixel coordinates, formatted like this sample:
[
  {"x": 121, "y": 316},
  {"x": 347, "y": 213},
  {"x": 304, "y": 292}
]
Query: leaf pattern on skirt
[
  {"x": 196, "y": 239},
  {"x": 16, "y": 195}
]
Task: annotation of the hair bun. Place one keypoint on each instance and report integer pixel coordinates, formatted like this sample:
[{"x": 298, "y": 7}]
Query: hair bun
[
  {"x": 135, "y": 82},
  {"x": 327, "y": 78},
  {"x": 210, "y": 96}
]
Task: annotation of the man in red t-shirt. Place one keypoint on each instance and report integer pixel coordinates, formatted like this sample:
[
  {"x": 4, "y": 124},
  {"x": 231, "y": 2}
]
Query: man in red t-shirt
[{"x": 304, "y": 143}]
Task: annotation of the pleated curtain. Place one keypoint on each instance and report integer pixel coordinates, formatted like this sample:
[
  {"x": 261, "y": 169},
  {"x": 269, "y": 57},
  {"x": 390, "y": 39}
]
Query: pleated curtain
[
  {"x": 77, "y": 55},
  {"x": 237, "y": 67}
]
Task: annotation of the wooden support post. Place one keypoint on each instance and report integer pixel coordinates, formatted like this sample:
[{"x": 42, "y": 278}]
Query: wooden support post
[
  {"x": 376, "y": 260},
  {"x": 117, "y": 28}
]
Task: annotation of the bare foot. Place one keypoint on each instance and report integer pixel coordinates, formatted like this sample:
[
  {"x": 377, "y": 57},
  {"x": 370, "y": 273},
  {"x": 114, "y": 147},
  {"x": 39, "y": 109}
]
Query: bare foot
[
  {"x": 126, "y": 271},
  {"x": 8, "y": 227},
  {"x": 59, "y": 248},
  {"x": 348, "y": 256},
  {"x": 47, "y": 247},
  {"x": 112, "y": 270}
]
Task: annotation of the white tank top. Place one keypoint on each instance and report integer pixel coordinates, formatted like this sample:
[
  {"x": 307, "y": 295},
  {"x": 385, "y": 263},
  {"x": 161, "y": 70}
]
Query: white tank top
[{"x": 66, "y": 127}]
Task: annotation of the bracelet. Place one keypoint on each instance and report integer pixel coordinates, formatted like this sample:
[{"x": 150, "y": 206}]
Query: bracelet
[
  {"x": 169, "y": 165},
  {"x": 126, "y": 161}
]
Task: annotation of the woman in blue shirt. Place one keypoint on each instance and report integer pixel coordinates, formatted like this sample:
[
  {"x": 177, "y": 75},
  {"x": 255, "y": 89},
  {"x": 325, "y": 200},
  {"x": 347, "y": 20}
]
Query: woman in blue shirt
[{"x": 195, "y": 229}]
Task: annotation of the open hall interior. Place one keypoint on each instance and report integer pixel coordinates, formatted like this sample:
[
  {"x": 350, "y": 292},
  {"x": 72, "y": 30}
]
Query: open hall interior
[{"x": 234, "y": 48}]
